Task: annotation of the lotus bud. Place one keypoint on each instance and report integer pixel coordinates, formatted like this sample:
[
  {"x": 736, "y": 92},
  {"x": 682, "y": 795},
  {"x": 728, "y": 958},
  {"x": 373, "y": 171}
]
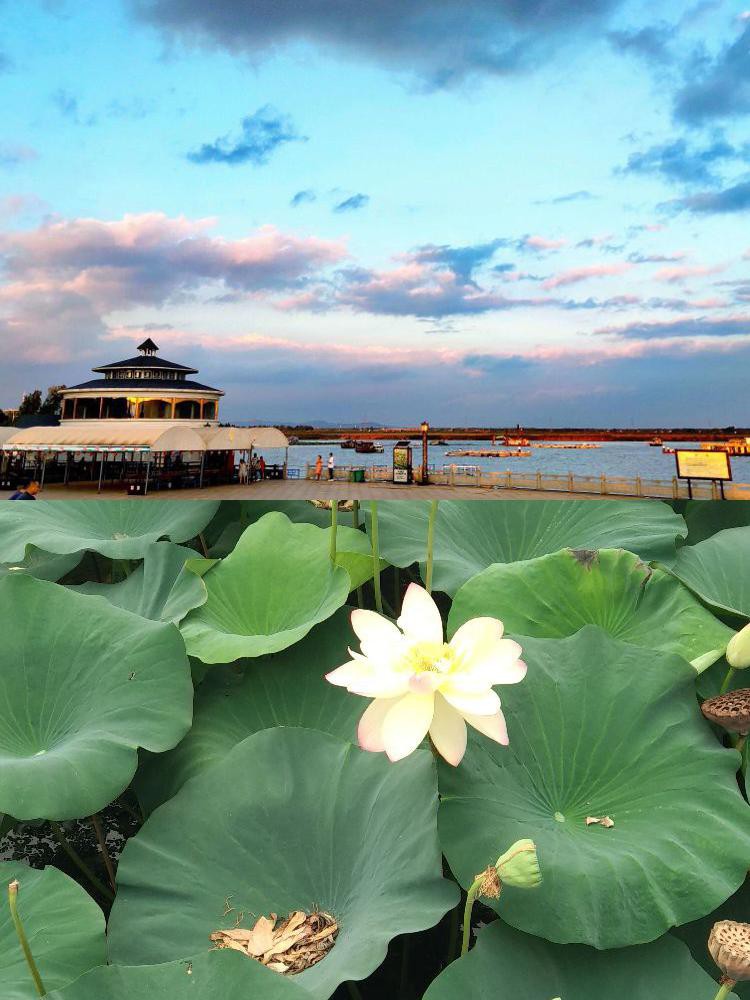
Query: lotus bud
[
  {"x": 729, "y": 945},
  {"x": 738, "y": 649},
  {"x": 730, "y": 710},
  {"x": 519, "y": 866}
]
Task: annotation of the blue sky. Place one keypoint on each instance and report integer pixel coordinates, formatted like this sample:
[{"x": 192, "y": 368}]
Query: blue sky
[{"x": 483, "y": 212}]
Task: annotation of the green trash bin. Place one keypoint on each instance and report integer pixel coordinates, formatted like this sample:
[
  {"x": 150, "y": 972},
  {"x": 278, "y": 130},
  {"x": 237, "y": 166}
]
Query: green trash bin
[{"x": 358, "y": 475}]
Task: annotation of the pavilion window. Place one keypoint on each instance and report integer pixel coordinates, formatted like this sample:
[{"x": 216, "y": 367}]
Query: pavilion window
[
  {"x": 187, "y": 409},
  {"x": 209, "y": 409}
]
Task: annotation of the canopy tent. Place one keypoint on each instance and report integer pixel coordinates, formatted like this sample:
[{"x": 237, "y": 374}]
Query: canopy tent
[
  {"x": 242, "y": 438},
  {"x": 6, "y": 432},
  {"x": 124, "y": 437}
]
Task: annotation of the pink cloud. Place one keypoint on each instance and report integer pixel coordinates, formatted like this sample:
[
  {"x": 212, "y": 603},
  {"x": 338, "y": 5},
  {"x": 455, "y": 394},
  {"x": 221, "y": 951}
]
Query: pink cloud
[
  {"x": 675, "y": 275},
  {"x": 542, "y": 243},
  {"x": 576, "y": 274}
]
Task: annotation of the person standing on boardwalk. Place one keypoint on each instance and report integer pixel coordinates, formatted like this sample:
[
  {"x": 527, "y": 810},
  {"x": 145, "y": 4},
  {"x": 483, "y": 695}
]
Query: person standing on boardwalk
[
  {"x": 27, "y": 491},
  {"x": 262, "y": 467},
  {"x": 331, "y": 465},
  {"x": 242, "y": 472},
  {"x": 318, "y": 467}
]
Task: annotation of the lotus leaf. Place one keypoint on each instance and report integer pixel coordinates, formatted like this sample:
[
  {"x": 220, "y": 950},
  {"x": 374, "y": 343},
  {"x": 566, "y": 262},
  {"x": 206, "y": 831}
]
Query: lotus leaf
[
  {"x": 216, "y": 975},
  {"x": 42, "y": 565},
  {"x": 508, "y": 965},
  {"x": 233, "y": 516},
  {"x": 290, "y": 819},
  {"x": 63, "y": 924},
  {"x": 556, "y": 595},
  {"x": 599, "y": 729},
  {"x": 282, "y": 689},
  {"x": 277, "y": 583},
  {"x": 470, "y": 536},
  {"x": 84, "y": 684},
  {"x": 718, "y": 570},
  {"x": 706, "y": 518},
  {"x": 161, "y": 588},
  {"x": 119, "y": 529}
]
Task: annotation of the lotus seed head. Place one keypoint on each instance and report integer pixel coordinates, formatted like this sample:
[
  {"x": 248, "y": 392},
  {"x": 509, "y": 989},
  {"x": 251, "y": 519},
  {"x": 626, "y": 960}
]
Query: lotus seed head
[
  {"x": 738, "y": 649},
  {"x": 730, "y": 710},
  {"x": 519, "y": 866},
  {"x": 490, "y": 885},
  {"x": 729, "y": 945}
]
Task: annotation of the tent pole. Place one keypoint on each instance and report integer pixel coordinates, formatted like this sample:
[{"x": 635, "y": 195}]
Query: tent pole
[
  {"x": 67, "y": 467},
  {"x": 44, "y": 469},
  {"x": 101, "y": 472},
  {"x": 148, "y": 469},
  {"x": 203, "y": 462},
  {"x": 286, "y": 462}
]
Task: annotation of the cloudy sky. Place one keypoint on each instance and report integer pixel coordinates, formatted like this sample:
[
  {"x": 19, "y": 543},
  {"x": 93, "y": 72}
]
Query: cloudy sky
[{"x": 486, "y": 211}]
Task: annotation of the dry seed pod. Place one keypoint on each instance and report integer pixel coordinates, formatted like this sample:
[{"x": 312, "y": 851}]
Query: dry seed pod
[
  {"x": 730, "y": 710},
  {"x": 729, "y": 945}
]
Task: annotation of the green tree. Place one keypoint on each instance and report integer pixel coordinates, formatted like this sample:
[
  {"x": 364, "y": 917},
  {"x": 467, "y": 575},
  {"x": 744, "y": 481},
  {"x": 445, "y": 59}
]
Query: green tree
[
  {"x": 53, "y": 400},
  {"x": 30, "y": 404}
]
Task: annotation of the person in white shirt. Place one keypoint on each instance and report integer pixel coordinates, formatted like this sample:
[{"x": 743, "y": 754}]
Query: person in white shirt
[{"x": 331, "y": 465}]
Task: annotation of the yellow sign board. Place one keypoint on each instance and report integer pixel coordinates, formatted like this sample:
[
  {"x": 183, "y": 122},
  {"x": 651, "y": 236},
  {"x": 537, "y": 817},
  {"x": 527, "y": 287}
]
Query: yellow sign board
[{"x": 703, "y": 464}]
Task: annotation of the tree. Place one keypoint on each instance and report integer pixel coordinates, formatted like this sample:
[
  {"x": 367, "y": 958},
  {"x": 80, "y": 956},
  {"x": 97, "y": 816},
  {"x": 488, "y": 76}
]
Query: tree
[
  {"x": 53, "y": 401},
  {"x": 4, "y": 419},
  {"x": 30, "y": 404}
]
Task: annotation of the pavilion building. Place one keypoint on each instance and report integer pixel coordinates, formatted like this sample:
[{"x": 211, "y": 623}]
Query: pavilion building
[{"x": 145, "y": 387}]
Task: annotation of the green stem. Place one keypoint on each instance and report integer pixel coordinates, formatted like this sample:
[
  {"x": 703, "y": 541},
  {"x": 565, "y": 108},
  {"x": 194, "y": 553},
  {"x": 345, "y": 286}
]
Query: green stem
[
  {"x": 353, "y": 990},
  {"x": 101, "y": 840},
  {"x": 396, "y": 586},
  {"x": 725, "y": 989},
  {"x": 334, "y": 528},
  {"x": 727, "y": 680},
  {"x": 404, "y": 978},
  {"x": 375, "y": 556},
  {"x": 430, "y": 544},
  {"x": 202, "y": 540},
  {"x": 355, "y": 514},
  {"x": 471, "y": 895},
  {"x": 79, "y": 862},
  {"x": 23, "y": 940}
]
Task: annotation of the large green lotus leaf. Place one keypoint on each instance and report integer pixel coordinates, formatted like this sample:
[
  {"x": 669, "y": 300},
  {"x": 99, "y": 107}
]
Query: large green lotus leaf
[
  {"x": 83, "y": 685},
  {"x": 63, "y": 924},
  {"x": 233, "y": 516},
  {"x": 470, "y": 536},
  {"x": 695, "y": 934},
  {"x": 289, "y": 819},
  {"x": 216, "y": 975},
  {"x": 276, "y": 584},
  {"x": 119, "y": 529},
  {"x": 602, "y": 728},
  {"x": 42, "y": 565},
  {"x": 283, "y": 689},
  {"x": 705, "y": 517},
  {"x": 161, "y": 588},
  {"x": 556, "y": 595},
  {"x": 718, "y": 570},
  {"x": 508, "y": 965}
]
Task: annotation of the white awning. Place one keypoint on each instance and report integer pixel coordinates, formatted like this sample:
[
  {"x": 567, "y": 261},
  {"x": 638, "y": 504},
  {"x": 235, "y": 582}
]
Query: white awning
[
  {"x": 6, "y": 432},
  {"x": 120, "y": 437},
  {"x": 242, "y": 438}
]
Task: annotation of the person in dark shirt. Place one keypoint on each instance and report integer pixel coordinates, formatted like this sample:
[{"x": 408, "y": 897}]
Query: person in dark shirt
[{"x": 26, "y": 491}]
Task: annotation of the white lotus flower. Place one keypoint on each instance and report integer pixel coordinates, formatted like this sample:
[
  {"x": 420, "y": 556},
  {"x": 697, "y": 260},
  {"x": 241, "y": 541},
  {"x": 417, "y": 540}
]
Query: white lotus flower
[{"x": 421, "y": 684}]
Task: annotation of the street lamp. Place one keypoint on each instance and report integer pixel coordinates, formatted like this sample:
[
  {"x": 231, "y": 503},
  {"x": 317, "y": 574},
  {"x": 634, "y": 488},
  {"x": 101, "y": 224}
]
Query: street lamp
[{"x": 425, "y": 427}]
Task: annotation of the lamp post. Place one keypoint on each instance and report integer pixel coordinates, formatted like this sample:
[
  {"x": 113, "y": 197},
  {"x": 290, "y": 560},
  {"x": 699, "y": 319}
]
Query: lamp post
[{"x": 425, "y": 427}]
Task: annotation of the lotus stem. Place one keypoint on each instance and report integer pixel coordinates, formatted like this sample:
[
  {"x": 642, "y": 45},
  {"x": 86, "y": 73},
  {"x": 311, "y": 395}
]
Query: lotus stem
[
  {"x": 79, "y": 862},
  {"x": 334, "y": 528},
  {"x": 725, "y": 989},
  {"x": 204, "y": 547},
  {"x": 430, "y": 544},
  {"x": 375, "y": 556},
  {"x": 471, "y": 895},
  {"x": 101, "y": 840},
  {"x": 355, "y": 514},
  {"x": 353, "y": 990},
  {"x": 455, "y": 917},
  {"x": 13, "y": 888},
  {"x": 404, "y": 977},
  {"x": 727, "y": 681},
  {"x": 396, "y": 587}
]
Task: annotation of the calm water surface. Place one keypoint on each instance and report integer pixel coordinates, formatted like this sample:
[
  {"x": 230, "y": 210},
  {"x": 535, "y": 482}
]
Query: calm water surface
[{"x": 616, "y": 458}]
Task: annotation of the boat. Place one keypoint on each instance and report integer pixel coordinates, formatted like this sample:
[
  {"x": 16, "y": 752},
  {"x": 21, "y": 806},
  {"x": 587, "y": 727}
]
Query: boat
[
  {"x": 368, "y": 447},
  {"x": 516, "y": 442},
  {"x": 346, "y": 443},
  {"x": 668, "y": 451},
  {"x": 655, "y": 442},
  {"x": 441, "y": 443}
]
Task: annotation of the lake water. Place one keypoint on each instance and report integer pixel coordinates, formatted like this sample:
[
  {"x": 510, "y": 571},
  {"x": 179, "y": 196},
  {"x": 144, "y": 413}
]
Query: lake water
[{"x": 612, "y": 458}]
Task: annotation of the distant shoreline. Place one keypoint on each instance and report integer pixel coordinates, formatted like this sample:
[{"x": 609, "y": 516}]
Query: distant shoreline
[{"x": 306, "y": 433}]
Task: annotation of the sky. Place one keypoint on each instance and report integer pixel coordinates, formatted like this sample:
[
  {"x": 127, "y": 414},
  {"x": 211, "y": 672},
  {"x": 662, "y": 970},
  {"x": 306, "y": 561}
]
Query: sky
[{"x": 465, "y": 211}]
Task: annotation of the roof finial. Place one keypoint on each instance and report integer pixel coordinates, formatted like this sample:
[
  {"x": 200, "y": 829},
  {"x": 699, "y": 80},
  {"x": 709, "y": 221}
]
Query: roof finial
[{"x": 148, "y": 347}]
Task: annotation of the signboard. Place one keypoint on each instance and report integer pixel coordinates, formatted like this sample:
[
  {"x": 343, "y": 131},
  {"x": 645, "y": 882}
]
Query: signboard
[
  {"x": 703, "y": 464},
  {"x": 402, "y": 462}
]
